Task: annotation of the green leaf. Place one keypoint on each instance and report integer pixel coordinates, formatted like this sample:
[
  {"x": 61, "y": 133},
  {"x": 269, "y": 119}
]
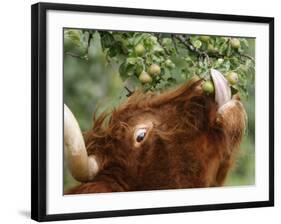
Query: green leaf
[
  {"x": 123, "y": 71},
  {"x": 73, "y": 34},
  {"x": 108, "y": 40},
  {"x": 95, "y": 49},
  {"x": 132, "y": 60}
]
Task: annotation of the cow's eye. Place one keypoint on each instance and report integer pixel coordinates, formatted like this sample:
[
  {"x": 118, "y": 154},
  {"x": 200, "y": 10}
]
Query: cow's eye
[{"x": 140, "y": 134}]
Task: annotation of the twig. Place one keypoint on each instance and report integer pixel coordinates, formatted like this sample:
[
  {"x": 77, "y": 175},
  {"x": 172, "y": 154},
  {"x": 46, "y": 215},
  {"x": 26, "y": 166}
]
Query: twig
[
  {"x": 183, "y": 41},
  {"x": 186, "y": 43},
  {"x": 130, "y": 92},
  {"x": 247, "y": 56},
  {"x": 158, "y": 35}
]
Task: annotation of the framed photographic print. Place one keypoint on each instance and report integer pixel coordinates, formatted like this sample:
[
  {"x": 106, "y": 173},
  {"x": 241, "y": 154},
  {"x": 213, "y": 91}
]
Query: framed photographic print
[{"x": 139, "y": 111}]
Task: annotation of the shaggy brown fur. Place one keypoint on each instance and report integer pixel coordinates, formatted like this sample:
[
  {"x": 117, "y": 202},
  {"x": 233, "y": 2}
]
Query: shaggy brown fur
[{"x": 190, "y": 145}]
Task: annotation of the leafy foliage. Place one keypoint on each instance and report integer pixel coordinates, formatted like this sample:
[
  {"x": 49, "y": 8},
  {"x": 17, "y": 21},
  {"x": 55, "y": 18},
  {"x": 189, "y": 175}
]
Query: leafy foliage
[{"x": 178, "y": 57}]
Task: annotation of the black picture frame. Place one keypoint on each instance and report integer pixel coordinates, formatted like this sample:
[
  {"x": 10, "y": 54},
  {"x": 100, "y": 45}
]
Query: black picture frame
[{"x": 39, "y": 116}]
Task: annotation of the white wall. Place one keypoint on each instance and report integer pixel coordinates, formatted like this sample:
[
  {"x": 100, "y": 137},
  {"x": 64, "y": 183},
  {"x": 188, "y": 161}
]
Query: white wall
[{"x": 15, "y": 110}]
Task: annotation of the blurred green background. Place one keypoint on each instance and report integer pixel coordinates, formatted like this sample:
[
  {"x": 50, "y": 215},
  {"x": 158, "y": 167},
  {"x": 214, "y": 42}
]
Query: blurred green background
[{"x": 94, "y": 84}]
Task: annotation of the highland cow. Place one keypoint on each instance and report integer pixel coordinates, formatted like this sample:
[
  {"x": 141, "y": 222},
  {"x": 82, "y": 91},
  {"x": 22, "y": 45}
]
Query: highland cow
[{"x": 181, "y": 138}]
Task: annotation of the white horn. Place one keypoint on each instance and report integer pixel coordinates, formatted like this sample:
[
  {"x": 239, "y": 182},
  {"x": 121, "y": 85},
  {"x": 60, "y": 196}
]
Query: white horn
[
  {"x": 222, "y": 88},
  {"x": 82, "y": 167}
]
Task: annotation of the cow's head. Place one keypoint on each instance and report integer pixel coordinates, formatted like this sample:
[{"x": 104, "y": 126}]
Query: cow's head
[{"x": 180, "y": 138}]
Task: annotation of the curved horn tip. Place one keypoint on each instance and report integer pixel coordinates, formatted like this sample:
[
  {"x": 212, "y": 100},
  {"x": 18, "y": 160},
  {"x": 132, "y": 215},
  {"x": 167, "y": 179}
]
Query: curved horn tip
[
  {"x": 82, "y": 167},
  {"x": 222, "y": 88}
]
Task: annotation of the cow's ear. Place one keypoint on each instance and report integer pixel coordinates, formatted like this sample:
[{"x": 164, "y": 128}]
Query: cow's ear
[
  {"x": 232, "y": 118},
  {"x": 194, "y": 106},
  {"x": 195, "y": 99},
  {"x": 200, "y": 110}
]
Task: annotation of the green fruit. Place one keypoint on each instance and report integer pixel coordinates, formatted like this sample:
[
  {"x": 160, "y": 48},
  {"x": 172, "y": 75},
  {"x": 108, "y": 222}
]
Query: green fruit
[
  {"x": 232, "y": 77},
  {"x": 208, "y": 87},
  {"x": 169, "y": 63},
  {"x": 212, "y": 49},
  {"x": 145, "y": 78},
  {"x": 220, "y": 60},
  {"x": 235, "y": 43},
  {"x": 204, "y": 38},
  {"x": 197, "y": 44},
  {"x": 140, "y": 50},
  {"x": 166, "y": 41},
  {"x": 154, "y": 70}
]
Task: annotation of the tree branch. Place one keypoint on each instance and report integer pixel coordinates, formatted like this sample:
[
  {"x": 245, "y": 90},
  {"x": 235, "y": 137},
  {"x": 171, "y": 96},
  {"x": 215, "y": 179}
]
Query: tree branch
[
  {"x": 84, "y": 57},
  {"x": 247, "y": 56},
  {"x": 186, "y": 42}
]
